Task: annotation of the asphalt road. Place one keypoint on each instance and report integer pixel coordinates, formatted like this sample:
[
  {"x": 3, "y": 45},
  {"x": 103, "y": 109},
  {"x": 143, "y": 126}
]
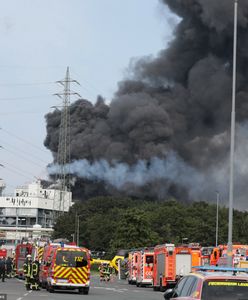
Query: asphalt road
[{"x": 116, "y": 290}]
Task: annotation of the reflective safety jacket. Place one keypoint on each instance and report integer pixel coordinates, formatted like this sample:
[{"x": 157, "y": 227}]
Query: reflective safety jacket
[
  {"x": 27, "y": 269},
  {"x": 35, "y": 268}
]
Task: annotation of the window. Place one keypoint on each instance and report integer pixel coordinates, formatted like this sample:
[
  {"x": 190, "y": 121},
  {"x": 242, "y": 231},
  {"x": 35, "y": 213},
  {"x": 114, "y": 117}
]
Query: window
[
  {"x": 225, "y": 290},
  {"x": 149, "y": 259},
  {"x": 186, "y": 290},
  {"x": 71, "y": 259},
  {"x": 179, "y": 287}
]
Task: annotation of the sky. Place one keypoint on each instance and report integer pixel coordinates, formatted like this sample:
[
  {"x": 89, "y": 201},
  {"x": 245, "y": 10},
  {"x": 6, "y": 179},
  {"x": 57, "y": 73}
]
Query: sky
[{"x": 97, "y": 39}]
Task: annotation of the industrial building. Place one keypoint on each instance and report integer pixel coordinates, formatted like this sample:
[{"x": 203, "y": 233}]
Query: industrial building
[{"x": 31, "y": 209}]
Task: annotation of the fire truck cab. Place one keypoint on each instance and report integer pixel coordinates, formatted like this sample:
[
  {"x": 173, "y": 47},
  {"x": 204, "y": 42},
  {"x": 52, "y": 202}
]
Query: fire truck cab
[
  {"x": 145, "y": 267},
  {"x": 69, "y": 269}
]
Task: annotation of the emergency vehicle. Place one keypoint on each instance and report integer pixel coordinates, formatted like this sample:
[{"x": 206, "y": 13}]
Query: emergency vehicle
[
  {"x": 45, "y": 262},
  {"x": 145, "y": 267},
  {"x": 164, "y": 268},
  {"x": 3, "y": 252},
  {"x": 132, "y": 266},
  {"x": 21, "y": 251},
  {"x": 69, "y": 269},
  {"x": 187, "y": 256}
]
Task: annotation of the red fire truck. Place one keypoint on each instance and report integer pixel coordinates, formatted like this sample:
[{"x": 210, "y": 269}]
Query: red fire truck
[
  {"x": 21, "y": 251},
  {"x": 164, "y": 270},
  {"x": 3, "y": 252},
  {"x": 45, "y": 262},
  {"x": 187, "y": 256},
  {"x": 145, "y": 267},
  {"x": 132, "y": 266}
]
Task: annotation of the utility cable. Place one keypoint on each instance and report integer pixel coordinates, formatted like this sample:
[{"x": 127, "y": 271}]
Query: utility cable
[
  {"x": 26, "y": 84},
  {"x": 24, "y": 98},
  {"x": 23, "y": 140},
  {"x": 23, "y": 157},
  {"x": 18, "y": 169},
  {"x": 23, "y": 151}
]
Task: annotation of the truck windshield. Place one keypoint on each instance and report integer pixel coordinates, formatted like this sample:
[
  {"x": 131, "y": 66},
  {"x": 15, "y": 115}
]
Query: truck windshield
[
  {"x": 224, "y": 290},
  {"x": 67, "y": 258}
]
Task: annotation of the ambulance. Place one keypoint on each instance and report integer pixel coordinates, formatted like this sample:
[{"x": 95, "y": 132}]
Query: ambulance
[
  {"x": 145, "y": 267},
  {"x": 69, "y": 269}
]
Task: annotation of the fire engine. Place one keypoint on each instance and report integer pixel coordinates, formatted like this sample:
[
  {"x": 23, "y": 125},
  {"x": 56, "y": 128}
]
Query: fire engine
[
  {"x": 3, "y": 252},
  {"x": 187, "y": 256},
  {"x": 145, "y": 267},
  {"x": 164, "y": 271},
  {"x": 21, "y": 251},
  {"x": 45, "y": 262},
  {"x": 132, "y": 266}
]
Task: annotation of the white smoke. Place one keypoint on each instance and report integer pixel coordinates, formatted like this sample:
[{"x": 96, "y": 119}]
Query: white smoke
[{"x": 172, "y": 168}]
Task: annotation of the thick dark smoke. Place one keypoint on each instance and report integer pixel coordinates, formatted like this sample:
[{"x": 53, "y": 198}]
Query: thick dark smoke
[{"x": 177, "y": 104}]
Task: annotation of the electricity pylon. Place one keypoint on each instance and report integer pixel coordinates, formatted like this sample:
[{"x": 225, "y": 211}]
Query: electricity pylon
[{"x": 64, "y": 151}]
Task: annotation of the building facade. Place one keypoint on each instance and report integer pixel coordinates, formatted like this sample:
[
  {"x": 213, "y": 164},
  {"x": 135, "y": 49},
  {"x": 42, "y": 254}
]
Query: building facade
[{"x": 31, "y": 205}]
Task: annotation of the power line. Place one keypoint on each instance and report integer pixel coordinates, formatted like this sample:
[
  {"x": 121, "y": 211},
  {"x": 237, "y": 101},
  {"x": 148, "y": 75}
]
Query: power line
[
  {"x": 23, "y": 140},
  {"x": 26, "y": 84},
  {"x": 21, "y": 113},
  {"x": 24, "y": 98},
  {"x": 23, "y": 157},
  {"x": 18, "y": 169},
  {"x": 23, "y": 151},
  {"x": 16, "y": 172}
]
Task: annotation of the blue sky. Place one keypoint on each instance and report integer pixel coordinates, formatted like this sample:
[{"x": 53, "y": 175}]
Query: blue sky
[{"x": 39, "y": 39}]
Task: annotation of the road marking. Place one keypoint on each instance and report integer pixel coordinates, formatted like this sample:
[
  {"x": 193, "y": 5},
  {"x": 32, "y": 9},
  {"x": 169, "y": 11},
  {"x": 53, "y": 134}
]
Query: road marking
[
  {"x": 20, "y": 298},
  {"x": 108, "y": 289}
]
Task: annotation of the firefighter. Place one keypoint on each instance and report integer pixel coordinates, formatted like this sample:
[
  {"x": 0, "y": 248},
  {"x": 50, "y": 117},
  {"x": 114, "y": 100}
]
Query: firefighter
[
  {"x": 13, "y": 268},
  {"x": 2, "y": 268},
  {"x": 101, "y": 272},
  {"x": 35, "y": 275},
  {"x": 27, "y": 269},
  {"x": 9, "y": 267}
]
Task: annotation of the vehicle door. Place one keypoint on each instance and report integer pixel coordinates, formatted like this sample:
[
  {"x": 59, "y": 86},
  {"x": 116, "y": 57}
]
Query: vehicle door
[{"x": 186, "y": 288}]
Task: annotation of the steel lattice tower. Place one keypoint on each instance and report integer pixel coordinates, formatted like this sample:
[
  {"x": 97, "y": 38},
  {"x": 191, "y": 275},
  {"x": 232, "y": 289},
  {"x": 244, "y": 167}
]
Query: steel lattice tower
[{"x": 64, "y": 152}]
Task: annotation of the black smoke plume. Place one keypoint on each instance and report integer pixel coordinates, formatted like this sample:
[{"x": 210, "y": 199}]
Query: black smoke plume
[{"x": 175, "y": 105}]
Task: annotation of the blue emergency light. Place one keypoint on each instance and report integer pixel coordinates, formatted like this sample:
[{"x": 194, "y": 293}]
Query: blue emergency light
[{"x": 221, "y": 269}]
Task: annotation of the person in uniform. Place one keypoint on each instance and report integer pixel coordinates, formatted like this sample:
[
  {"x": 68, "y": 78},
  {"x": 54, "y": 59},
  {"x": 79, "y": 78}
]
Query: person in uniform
[
  {"x": 35, "y": 275},
  {"x": 27, "y": 269},
  {"x": 9, "y": 266}
]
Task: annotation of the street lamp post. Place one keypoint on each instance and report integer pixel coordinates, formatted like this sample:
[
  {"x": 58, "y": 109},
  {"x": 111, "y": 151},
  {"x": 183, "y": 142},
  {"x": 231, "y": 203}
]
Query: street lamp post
[
  {"x": 217, "y": 218},
  {"x": 230, "y": 222},
  {"x": 78, "y": 217}
]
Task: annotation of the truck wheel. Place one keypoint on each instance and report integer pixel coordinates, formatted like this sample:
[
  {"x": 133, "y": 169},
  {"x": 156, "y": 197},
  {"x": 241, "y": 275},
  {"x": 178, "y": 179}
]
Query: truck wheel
[
  {"x": 86, "y": 291},
  {"x": 80, "y": 290},
  {"x": 50, "y": 289}
]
